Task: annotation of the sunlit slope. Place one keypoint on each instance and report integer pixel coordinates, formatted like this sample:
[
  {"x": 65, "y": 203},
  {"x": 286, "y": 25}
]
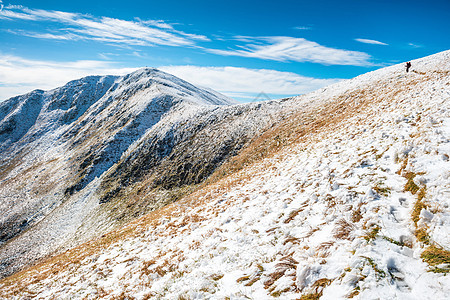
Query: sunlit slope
[{"x": 348, "y": 197}]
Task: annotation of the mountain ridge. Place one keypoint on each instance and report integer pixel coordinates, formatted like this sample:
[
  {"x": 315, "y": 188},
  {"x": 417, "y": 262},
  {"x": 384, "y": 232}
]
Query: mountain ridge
[
  {"x": 310, "y": 206},
  {"x": 58, "y": 130},
  {"x": 58, "y": 172}
]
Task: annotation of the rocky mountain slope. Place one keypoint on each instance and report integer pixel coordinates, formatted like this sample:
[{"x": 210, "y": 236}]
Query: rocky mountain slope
[
  {"x": 341, "y": 193},
  {"x": 85, "y": 158},
  {"x": 56, "y": 144}
]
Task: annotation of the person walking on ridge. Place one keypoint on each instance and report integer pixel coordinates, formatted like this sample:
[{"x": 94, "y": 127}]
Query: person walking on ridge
[{"x": 408, "y": 65}]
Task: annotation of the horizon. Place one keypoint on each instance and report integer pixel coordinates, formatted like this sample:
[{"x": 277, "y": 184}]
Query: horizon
[{"x": 240, "y": 49}]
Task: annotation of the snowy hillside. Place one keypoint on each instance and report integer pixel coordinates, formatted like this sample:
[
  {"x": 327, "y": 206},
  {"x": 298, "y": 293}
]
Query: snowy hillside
[
  {"x": 55, "y": 144},
  {"x": 346, "y": 197},
  {"x": 103, "y": 151}
]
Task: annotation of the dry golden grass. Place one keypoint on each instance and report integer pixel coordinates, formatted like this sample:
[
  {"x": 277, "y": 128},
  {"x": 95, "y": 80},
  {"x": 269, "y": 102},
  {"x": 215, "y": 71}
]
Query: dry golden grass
[
  {"x": 310, "y": 296},
  {"x": 353, "y": 294},
  {"x": 293, "y": 214},
  {"x": 292, "y": 240},
  {"x": 372, "y": 233},
  {"x": 323, "y": 249},
  {"x": 243, "y": 278},
  {"x": 217, "y": 277},
  {"x": 343, "y": 230},
  {"x": 436, "y": 256},
  {"x": 403, "y": 166},
  {"x": 422, "y": 235},
  {"x": 317, "y": 288},
  {"x": 272, "y": 278},
  {"x": 410, "y": 186},
  {"x": 382, "y": 191},
  {"x": 311, "y": 232},
  {"x": 286, "y": 264},
  {"x": 357, "y": 214}
]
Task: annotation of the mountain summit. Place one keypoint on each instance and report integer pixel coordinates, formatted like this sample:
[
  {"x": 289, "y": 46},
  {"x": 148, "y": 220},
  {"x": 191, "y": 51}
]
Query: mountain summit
[
  {"x": 340, "y": 193},
  {"x": 56, "y": 144}
]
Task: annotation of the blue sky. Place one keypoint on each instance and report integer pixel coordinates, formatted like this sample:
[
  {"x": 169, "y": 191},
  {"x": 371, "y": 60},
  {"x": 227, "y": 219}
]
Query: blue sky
[{"x": 240, "y": 48}]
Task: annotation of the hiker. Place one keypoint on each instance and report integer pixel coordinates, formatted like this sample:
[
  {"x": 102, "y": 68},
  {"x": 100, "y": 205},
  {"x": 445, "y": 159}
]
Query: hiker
[{"x": 408, "y": 65}]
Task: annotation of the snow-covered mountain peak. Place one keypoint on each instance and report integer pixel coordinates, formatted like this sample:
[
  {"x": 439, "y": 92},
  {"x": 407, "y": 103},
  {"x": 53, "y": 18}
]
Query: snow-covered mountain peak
[
  {"x": 69, "y": 136},
  {"x": 168, "y": 84}
]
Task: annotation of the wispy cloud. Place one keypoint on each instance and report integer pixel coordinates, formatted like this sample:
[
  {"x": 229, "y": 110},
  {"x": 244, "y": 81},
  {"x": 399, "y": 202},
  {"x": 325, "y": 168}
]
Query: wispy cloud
[
  {"x": 47, "y": 36},
  {"x": 283, "y": 48},
  {"x": 68, "y": 26},
  {"x": 247, "y": 83},
  {"x": 19, "y": 75},
  {"x": 415, "y": 45},
  {"x": 76, "y": 26},
  {"x": 367, "y": 41},
  {"x": 303, "y": 28}
]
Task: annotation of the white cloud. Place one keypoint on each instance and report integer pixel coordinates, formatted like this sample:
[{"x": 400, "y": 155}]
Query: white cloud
[
  {"x": 9, "y": 15},
  {"x": 282, "y": 48},
  {"x": 303, "y": 27},
  {"x": 247, "y": 83},
  {"x": 48, "y": 36},
  {"x": 77, "y": 26},
  {"x": 19, "y": 75},
  {"x": 414, "y": 45},
  {"x": 367, "y": 41},
  {"x": 85, "y": 27}
]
